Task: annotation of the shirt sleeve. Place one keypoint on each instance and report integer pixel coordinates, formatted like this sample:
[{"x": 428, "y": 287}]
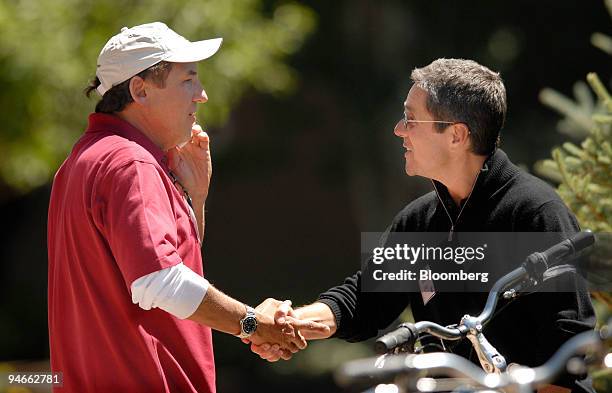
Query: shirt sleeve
[
  {"x": 138, "y": 220},
  {"x": 360, "y": 315},
  {"x": 176, "y": 289}
]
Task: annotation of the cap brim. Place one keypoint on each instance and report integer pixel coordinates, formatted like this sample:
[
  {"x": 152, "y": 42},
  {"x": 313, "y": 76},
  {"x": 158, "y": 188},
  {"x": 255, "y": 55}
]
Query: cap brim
[{"x": 195, "y": 51}]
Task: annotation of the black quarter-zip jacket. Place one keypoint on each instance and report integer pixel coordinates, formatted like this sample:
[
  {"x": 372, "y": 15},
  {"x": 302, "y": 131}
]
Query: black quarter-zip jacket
[{"x": 504, "y": 199}]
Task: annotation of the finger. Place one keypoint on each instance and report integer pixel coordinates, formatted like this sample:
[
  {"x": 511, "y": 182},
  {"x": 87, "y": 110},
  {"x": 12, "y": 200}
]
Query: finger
[
  {"x": 301, "y": 336},
  {"x": 295, "y": 344},
  {"x": 269, "y": 354},
  {"x": 196, "y": 129},
  {"x": 294, "y": 348},
  {"x": 260, "y": 349},
  {"x": 297, "y": 340},
  {"x": 272, "y": 358},
  {"x": 203, "y": 135},
  {"x": 285, "y": 355},
  {"x": 246, "y": 341},
  {"x": 300, "y": 342},
  {"x": 199, "y": 134},
  {"x": 203, "y": 140},
  {"x": 282, "y": 311},
  {"x": 288, "y": 330}
]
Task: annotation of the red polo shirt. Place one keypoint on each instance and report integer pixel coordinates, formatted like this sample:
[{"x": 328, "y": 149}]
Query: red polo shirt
[{"x": 115, "y": 216}]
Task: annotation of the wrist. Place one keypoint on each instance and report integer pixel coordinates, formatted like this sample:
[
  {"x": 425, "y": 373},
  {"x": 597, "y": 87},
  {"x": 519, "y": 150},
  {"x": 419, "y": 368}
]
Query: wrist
[
  {"x": 265, "y": 324},
  {"x": 318, "y": 312},
  {"x": 298, "y": 313},
  {"x": 249, "y": 323}
]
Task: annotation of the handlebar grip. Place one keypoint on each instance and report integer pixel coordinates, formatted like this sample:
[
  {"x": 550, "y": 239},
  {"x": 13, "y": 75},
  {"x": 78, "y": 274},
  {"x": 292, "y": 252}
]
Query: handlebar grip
[
  {"x": 538, "y": 262},
  {"x": 560, "y": 252},
  {"x": 405, "y": 334},
  {"x": 583, "y": 240}
]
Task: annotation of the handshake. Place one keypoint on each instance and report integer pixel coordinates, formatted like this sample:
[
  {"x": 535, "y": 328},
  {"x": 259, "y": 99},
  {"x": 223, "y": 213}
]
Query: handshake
[{"x": 283, "y": 331}]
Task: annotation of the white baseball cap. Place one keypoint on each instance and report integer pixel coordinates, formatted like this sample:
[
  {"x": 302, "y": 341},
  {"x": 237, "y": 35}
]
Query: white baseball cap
[{"x": 140, "y": 47}]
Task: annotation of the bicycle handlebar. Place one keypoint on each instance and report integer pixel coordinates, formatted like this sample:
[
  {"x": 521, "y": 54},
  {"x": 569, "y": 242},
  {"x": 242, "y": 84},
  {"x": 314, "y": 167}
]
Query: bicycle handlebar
[{"x": 407, "y": 333}]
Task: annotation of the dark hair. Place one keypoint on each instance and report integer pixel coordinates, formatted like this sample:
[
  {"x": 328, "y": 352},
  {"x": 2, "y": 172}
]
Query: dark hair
[
  {"x": 467, "y": 92},
  {"x": 118, "y": 96}
]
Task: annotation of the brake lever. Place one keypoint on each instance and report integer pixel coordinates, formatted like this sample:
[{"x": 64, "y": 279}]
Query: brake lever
[
  {"x": 490, "y": 358},
  {"x": 515, "y": 291}
]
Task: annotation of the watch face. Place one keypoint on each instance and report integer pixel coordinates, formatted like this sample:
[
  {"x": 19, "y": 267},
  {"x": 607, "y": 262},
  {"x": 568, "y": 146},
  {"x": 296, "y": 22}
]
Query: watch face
[{"x": 249, "y": 325}]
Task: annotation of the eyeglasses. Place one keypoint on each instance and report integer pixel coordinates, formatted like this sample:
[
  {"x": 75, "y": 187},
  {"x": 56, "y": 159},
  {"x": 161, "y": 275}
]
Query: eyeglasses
[{"x": 405, "y": 121}]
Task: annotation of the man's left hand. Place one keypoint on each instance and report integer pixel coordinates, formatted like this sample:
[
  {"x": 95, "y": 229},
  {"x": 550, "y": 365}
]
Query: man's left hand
[{"x": 192, "y": 164}]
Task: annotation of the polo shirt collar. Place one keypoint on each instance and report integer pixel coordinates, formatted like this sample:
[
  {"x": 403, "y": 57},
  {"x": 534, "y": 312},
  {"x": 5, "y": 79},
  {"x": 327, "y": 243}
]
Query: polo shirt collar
[{"x": 113, "y": 124}]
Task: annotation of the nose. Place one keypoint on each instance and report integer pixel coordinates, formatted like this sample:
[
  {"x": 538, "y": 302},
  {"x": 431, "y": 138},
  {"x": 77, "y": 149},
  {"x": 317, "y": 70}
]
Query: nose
[
  {"x": 200, "y": 94},
  {"x": 399, "y": 129}
]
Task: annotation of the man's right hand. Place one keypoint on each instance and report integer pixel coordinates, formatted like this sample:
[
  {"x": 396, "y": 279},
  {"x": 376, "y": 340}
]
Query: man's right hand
[{"x": 301, "y": 329}]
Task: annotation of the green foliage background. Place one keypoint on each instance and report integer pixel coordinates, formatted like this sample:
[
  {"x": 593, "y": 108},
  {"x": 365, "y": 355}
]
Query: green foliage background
[
  {"x": 584, "y": 175},
  {"x": 48, "y": 52}
]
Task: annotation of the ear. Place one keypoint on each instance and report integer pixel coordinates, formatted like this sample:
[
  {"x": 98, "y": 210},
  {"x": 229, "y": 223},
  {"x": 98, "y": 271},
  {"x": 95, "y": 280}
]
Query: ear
[
  {"x": 138, "y": 89},
  {"x": 460, "y": 135}
]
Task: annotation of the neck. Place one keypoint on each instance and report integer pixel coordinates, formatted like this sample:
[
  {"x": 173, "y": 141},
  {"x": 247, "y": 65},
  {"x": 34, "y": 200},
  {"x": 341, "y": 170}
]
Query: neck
[
  {"x": 461, "y": 176},
  {"x": 139, "y": 121}
]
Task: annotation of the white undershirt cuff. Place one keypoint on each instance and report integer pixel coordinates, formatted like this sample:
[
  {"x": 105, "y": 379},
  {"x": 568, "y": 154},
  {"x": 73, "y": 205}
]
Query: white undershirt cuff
[{"x": 176, "y": 289}]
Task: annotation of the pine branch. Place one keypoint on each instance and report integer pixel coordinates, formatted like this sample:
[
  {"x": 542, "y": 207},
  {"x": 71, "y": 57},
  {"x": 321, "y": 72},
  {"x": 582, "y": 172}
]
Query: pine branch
[
  {"x": 600, "y": 90},
  {"x": 567, "y": 107},
  {"x": 602, "y": 41}
]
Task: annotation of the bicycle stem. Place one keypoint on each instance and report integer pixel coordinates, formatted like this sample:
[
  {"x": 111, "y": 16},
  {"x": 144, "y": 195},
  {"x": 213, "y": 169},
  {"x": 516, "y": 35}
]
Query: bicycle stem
[{"x": 489, "y": 357}]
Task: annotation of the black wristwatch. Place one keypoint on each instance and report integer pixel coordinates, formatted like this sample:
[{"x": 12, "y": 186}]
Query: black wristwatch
[{"x": 248, "y": 324}]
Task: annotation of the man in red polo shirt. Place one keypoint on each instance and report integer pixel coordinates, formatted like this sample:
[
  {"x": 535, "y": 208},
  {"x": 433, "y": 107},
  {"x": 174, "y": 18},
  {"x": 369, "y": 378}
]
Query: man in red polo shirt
[{"x": 129, "y": 308}]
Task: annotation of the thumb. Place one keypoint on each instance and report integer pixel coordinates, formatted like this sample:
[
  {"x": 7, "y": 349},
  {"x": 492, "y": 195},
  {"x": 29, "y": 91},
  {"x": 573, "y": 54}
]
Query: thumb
[
  {"x": 196, "y": 129},
  {"x": 282, "y": 311}
]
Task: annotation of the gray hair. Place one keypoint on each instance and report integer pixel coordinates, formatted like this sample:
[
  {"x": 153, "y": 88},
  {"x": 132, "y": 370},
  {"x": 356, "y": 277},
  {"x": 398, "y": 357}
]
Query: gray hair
[{"x": 464, "y": 91}]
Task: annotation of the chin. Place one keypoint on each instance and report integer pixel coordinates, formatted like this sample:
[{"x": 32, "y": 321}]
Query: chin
[{"x": 409, "y": 170}]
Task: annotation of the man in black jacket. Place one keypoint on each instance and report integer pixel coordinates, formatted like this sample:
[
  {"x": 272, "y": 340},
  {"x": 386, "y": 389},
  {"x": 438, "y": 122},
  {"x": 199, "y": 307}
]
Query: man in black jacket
[{"x": 453, "y": 116}]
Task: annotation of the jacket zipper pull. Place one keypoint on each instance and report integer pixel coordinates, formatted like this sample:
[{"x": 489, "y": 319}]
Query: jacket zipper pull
[{"x": 450, "y": 234}]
